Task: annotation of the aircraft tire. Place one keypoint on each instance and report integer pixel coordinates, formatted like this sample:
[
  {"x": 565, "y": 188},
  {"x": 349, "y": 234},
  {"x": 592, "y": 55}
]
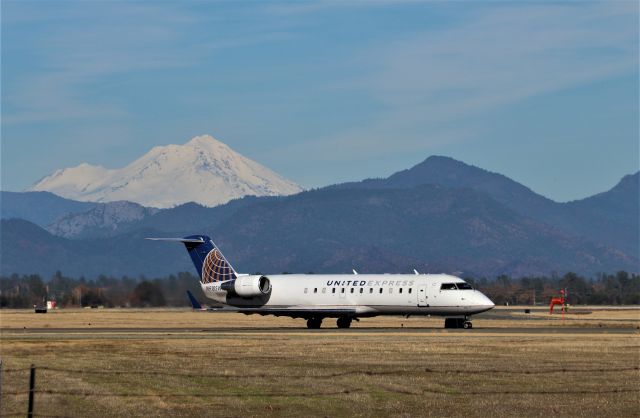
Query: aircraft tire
[
  {"x": 344, "y": 322},
  {"x": 468, "y": 325},
  {"x": 314, "y": 323}
]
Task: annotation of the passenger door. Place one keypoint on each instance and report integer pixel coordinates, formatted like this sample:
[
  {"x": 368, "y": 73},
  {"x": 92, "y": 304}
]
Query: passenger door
[{"x": 422, "y": 295}]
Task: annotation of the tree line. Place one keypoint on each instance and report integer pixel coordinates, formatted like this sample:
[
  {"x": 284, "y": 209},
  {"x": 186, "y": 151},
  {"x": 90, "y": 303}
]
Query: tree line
[
  {"x": 25, "y": 291},
  {"x": 620, "y": 288},
  {"x": 28, "y": 290}
]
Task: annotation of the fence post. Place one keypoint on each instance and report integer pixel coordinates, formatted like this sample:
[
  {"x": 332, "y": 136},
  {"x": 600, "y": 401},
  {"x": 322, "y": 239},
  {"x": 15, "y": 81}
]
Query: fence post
[
  {"x": 32, "y": 384},
  {"x": 1, "y": 384}
]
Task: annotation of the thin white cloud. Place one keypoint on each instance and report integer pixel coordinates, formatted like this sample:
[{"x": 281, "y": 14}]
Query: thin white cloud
[
  {"x": 426, "y": 85},
  {"x": 100, "y": 41},
  {"x": 498, "y": 56},
  {"x": 77, "y": 45},
  {"x": 507, "y": 54}
]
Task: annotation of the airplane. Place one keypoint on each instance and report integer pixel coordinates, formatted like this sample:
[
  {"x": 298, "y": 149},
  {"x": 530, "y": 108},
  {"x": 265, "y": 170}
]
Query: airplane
[{"x": 346, "y": 297}]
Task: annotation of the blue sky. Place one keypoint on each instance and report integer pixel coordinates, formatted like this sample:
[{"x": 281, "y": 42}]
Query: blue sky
[{"x": 324, "y": 92}]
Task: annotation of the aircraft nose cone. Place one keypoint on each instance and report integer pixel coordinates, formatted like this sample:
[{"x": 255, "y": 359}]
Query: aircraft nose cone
[
  {"x": 484, "y": 302},
  {"x": 487, "y": 301}
]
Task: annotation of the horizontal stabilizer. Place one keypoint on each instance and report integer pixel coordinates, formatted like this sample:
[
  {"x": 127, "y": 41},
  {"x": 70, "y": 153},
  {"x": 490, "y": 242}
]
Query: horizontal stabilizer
[
  {"x": 194, "y": 302},
  {"x": 193, "y": 240}
]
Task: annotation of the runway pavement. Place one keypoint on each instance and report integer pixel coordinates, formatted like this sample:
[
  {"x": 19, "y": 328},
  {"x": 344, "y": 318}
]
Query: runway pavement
[
  {"x": 89, "y": 332},
  {"x": 178, "y": 323}
]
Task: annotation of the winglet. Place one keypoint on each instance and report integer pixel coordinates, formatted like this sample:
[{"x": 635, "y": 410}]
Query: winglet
[{"x": 194, "y": 302}]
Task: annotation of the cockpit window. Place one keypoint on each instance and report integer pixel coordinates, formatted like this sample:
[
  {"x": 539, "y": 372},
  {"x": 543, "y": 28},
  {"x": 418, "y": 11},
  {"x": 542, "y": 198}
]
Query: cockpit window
[{"x": 456, "y": 286}]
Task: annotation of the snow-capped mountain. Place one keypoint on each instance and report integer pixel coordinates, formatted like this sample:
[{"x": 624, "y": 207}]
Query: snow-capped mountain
[{"x": 204, "y": 170}]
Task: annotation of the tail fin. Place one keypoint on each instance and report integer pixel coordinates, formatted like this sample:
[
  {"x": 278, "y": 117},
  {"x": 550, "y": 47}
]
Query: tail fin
[
  {"x": 212, "y": 266},
  {"x": 194, "y": 302}
]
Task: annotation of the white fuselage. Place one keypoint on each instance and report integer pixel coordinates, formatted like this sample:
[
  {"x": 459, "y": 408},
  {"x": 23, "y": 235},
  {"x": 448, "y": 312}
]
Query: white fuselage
[{"x": 366, "y": 294}]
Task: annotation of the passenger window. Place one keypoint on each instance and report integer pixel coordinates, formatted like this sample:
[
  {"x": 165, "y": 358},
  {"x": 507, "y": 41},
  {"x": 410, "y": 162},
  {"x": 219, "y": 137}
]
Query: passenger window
[
  {"x": 371, "y": 290},
  {"x": 409, "y": 290},
  {"x": 306, "y": 290},
  {"x": 333, "y": 290},
  {"x": 315, "y": 290},
  {"x": 361, "y": 290},
  {"x": 448, "y": 286},
  {"x": 342, "y": 290},
  {"x": 352, "y": 290},
  {"x": 380, "y": 290}
]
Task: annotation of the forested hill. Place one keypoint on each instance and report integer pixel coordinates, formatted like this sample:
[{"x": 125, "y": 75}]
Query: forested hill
[
  {"x": 611, "y": 217},
  {"x": 440, "y": 216},
  {"x": 431, "y": 228}
]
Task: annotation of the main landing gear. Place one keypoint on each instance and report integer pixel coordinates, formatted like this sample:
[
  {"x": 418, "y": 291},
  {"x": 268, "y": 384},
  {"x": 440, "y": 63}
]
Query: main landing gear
[
  {"x": 458, "y": 323},
  {"x": 344, "y": 322},
  {"x": 314, "y": 323}
]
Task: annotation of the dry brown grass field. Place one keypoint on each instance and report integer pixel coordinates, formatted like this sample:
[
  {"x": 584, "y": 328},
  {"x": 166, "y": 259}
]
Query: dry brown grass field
[{"x": 175, "y": 362}]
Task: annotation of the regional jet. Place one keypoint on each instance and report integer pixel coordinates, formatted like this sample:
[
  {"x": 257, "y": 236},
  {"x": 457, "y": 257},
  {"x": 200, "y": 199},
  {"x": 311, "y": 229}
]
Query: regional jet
[{"x": 346, "y": 297}]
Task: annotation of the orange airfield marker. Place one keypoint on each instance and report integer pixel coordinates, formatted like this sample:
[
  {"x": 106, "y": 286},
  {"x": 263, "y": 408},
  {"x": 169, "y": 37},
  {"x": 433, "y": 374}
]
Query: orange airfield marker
[{"x": 558, "y": 301}]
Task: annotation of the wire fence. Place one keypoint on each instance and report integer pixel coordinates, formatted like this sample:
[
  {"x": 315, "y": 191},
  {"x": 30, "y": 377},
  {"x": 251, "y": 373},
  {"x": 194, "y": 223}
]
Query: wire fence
[
  {"x": 492, "y": 371},
  {"x": 33, "y": 390},
  {"x": 315, "y": 394}
]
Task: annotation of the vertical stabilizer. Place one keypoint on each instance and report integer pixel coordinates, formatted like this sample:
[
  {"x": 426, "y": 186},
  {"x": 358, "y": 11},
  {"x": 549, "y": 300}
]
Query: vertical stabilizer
[{"x": 211, "y": 265}]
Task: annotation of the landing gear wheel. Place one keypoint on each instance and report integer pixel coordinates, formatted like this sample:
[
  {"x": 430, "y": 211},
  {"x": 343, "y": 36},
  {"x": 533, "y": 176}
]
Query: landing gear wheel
[
  {"x": 344, "y": 322},
  {"x": 453, "y": 323},
  {"x": 314, "y": 323},
  {"x": 457, "y": 323}
]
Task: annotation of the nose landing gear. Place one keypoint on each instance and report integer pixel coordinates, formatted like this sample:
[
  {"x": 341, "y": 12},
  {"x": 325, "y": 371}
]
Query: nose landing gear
[{"x": 458, "y": 323}]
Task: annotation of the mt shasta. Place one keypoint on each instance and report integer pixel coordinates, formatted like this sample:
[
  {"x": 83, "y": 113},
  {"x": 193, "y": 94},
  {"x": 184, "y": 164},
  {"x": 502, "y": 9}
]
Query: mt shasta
[{"x": 204, "y": 170}]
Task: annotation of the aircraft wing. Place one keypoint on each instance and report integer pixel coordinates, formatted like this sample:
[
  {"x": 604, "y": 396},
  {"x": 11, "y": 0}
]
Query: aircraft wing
[{"x": 294, "y": 311}]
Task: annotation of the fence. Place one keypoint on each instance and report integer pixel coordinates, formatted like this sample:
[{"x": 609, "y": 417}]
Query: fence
[{"x": 33, "y": 389}]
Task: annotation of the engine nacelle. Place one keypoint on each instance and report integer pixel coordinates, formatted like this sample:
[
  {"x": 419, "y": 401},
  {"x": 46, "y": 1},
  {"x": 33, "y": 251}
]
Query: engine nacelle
[{"x": 248, "y": 286}]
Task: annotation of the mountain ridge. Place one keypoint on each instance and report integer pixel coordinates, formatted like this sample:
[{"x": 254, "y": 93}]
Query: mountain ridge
[
  {"x": 41, "y": 208},
  {"x": 614, "y": 225},
  {"x": 472, "y": 221},
  {"x": 99, "y": 220},
  {"x": 330, "y": 231}
]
